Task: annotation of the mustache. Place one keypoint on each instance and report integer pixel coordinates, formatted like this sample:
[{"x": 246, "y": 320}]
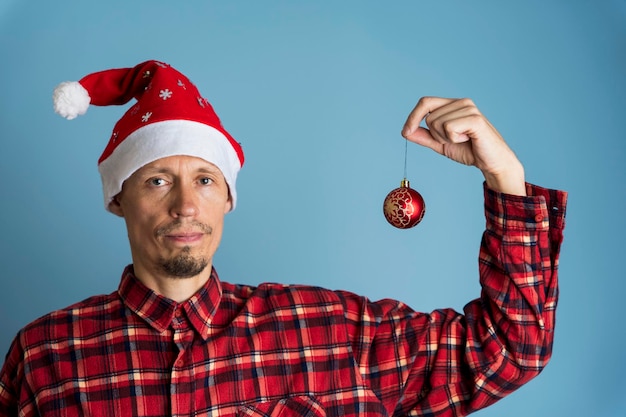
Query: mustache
[{"x": 177, "y": 224}]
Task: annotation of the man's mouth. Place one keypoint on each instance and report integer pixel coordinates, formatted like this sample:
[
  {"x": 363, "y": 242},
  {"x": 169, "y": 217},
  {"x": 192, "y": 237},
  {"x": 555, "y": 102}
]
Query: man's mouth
[
  {"x": 184, "y": 237},
  {"x": 175, "y": 230}
]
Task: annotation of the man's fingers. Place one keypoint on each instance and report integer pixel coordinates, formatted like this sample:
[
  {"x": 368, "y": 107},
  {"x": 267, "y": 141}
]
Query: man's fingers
[
  {"x": 424, "y": 138},
  {"x": 457, "y": 126},
  {"x": 424, "y": 106},
  {"x": 455, "y": 122},
  {"x": 449, "y": 123}
]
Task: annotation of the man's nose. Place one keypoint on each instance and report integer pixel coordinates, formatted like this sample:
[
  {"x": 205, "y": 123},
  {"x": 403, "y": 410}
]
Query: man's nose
[{"x": 184, "y": 201}]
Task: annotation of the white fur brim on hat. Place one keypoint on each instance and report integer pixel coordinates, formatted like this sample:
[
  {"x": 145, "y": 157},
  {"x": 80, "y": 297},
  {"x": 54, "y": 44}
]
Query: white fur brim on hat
[{"x": 169, "y": 138}]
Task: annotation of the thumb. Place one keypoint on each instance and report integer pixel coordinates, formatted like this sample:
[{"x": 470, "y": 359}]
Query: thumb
[{"x": 422, "y": 137}]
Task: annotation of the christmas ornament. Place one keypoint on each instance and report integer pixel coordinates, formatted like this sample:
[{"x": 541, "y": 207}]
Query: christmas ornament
[{"x": 404, "y": 207}]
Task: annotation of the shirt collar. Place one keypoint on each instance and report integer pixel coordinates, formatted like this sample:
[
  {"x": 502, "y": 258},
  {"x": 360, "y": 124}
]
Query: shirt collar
[{"x": 159, "y": 311}]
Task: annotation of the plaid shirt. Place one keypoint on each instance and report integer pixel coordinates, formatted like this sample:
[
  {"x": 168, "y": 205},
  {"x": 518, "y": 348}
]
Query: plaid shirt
[{"x": 275, "y": 350}]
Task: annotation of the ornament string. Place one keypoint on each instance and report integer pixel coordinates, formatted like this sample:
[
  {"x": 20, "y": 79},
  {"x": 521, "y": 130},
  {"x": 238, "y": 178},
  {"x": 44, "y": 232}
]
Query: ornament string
[{"x": 406, "y": 149}]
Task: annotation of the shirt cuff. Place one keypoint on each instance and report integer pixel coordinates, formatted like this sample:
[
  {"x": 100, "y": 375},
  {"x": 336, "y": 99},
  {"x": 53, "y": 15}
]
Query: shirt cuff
[{"x": 541, "y": 209}]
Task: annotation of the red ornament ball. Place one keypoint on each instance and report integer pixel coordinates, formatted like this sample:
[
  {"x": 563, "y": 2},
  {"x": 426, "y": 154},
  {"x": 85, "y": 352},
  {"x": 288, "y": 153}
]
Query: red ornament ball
[{"x": 404, "y": 207}]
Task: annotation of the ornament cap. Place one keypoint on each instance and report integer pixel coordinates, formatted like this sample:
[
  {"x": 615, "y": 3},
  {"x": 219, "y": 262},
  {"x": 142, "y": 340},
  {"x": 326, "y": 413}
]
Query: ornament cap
[{"x": 404, "y": 183}]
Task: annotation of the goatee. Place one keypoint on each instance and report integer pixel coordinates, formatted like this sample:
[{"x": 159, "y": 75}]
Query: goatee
[{"x": 184, "y": 265}]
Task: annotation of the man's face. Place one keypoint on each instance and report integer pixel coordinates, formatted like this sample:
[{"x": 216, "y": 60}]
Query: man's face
[{"x": 174, "y": 210}]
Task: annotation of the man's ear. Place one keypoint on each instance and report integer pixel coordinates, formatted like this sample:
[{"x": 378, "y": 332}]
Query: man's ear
[
  {"x": 229, "y": 204},
  {"x": 115, "y": 207}
]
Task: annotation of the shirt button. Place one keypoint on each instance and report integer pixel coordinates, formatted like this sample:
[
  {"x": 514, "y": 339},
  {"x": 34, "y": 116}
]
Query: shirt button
[
  {"x": 179, "y": 363},
  {"x": 539, "y": 217}
]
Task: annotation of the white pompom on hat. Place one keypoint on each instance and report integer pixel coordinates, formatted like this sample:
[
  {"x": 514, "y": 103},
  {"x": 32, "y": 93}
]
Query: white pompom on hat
[
  {"x": 170, "y": 118},
  {"x": 70, "y": 99}
]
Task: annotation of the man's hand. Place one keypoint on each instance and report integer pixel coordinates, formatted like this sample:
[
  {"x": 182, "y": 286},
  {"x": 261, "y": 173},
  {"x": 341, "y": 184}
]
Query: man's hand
[{"x": 458, "y": 130}]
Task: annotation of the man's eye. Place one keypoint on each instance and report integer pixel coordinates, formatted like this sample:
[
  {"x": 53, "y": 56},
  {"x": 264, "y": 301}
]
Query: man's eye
[
  {"x": 157, "y": 182},
  {"x": 206, "y": 181}
]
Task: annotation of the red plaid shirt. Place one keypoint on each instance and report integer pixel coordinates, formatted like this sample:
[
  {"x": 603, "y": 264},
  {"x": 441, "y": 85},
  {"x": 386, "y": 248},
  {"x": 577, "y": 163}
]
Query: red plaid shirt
[{"x": 296, "y": 350}]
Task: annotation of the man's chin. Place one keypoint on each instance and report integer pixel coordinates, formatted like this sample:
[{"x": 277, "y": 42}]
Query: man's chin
[{"x": 184, "y": 265}]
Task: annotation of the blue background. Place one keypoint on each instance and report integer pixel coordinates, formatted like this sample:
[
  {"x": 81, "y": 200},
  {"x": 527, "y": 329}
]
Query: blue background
[{"x": 318, "y": 92}]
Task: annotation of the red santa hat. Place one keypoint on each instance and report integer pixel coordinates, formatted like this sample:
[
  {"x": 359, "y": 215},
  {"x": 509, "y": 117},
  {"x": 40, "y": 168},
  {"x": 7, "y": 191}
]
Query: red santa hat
[{"x": 169, "y": 118}]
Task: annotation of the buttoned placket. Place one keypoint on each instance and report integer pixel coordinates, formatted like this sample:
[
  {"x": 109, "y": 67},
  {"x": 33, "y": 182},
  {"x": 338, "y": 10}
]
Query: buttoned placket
[{"x": 181, "y": 386}]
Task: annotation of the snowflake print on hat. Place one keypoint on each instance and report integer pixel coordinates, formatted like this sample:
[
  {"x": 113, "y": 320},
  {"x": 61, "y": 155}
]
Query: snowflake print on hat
[
  {"x": 165, "y": 94},
  {"x": 146, "y": 116}
]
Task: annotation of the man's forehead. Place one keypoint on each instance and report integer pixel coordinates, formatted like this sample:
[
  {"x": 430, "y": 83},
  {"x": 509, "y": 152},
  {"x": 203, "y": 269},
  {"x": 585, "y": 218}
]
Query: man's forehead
[{"x": 181, "y": 160}]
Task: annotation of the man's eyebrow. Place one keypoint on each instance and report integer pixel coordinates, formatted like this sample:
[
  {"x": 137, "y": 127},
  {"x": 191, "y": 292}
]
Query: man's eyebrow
[
  {"x": 209, "y": 170},
  {"x": 155, "y": 170},
  {"x": 166, "y": 170}
]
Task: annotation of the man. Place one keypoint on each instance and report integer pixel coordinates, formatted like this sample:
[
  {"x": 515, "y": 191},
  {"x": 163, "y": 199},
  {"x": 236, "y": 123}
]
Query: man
[{"x": 175, "y": 340}]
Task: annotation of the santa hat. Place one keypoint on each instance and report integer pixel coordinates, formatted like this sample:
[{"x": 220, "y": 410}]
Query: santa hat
[{"x": 169, "y": 118}]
